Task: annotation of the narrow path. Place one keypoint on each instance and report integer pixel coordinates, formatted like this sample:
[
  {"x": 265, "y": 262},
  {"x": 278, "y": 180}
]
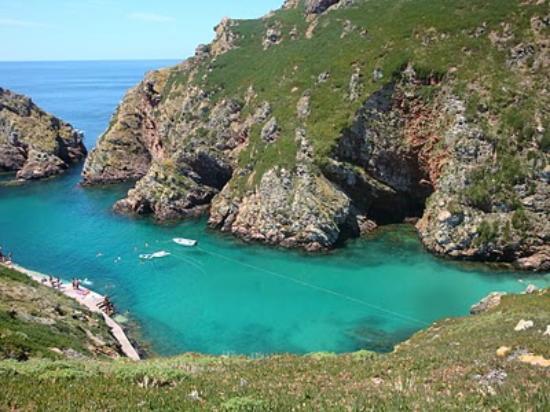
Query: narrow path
[{"x": 90, "y": 301}]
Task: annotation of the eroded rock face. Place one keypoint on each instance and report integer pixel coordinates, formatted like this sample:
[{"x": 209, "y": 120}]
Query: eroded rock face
[
  {"x": 457, "y": 226},
  {"x": 289, "y": 209},
  {"x": 408, "y": 152},
  {"x": 35, "y": 144},
  {"x": 319, "y": 6},
  {"x": 487, "y": 303}
]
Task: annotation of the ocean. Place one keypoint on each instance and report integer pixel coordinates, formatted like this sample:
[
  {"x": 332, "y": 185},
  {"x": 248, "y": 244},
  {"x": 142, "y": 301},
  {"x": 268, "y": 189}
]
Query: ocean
[{"x": 224, "y": 296}]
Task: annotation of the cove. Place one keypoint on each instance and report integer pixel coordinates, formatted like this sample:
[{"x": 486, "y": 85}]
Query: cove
[{"x": 223, "y": 296}]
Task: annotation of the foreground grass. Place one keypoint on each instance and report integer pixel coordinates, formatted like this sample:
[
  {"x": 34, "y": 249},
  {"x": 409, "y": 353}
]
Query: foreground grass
[{"x": 451, "y": 366}]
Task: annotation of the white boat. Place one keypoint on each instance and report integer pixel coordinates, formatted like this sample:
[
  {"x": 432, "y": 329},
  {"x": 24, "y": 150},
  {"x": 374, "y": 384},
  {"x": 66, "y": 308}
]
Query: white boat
[
  {"x": 156, "y": 255},
  {"x": 185, "y": 242}
]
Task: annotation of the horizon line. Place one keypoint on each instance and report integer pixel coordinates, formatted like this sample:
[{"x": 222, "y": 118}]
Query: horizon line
[{"x": 90, "y": 60}]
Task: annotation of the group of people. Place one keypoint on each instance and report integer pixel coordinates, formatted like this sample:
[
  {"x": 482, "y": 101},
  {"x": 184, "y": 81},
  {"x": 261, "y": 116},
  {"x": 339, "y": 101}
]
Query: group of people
[
  {"x": 54, "y": 282},
  {"x": 7, "y": 259},
  {"x": 106, "y": 306},
  {"x": 76, "y": 284}
]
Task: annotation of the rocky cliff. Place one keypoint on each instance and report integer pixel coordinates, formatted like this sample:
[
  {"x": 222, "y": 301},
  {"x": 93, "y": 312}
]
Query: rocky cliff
[
  {"x": 34, "y": 143},
  {"x": 325, "y": 119}
]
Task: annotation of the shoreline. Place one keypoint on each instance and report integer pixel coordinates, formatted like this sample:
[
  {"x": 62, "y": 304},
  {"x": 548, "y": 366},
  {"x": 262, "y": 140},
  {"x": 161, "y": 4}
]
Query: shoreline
[{"x": 89, "y": 301}]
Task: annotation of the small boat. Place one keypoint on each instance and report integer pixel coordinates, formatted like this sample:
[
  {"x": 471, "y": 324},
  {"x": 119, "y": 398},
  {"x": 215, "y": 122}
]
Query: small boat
[
  {"x": 157, "y": 255},
  {"x": 185, "y": 242}
]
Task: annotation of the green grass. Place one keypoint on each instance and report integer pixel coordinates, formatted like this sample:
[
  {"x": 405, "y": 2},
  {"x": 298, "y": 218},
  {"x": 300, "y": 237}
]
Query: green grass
[
  {"x": 435, "y": 370},
  {"x": 433, "y": 37},
  {"x": 35, "y": 319}
]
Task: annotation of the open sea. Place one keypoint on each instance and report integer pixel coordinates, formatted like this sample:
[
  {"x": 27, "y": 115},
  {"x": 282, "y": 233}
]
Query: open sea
[{"x": 223, "y": 297}]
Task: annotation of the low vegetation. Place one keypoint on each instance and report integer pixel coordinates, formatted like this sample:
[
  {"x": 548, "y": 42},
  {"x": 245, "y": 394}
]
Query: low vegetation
[
  {"x": 453, "y": 365},
  {"x": 38, "y": 322}
]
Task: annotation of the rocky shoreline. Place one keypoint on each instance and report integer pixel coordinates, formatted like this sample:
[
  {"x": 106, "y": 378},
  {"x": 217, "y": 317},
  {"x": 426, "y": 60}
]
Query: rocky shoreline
[
  {"x": 34, "y": 144},
  {"x": 413, "y": 148},
  {"x": 88, "y": 301}
]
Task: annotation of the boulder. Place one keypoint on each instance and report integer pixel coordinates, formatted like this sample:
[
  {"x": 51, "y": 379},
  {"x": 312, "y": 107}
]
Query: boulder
[
  {"x": 487, "y": 303},
  {"x": 524, "y": 325}
]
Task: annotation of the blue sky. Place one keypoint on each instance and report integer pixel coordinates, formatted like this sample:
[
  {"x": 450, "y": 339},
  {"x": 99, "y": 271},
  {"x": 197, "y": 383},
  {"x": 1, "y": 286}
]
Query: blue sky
[{"x": 114, "y": 29}]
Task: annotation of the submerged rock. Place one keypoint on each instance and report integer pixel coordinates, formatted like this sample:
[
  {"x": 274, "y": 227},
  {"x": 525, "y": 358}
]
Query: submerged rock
[{"x": 33, "y": 143}]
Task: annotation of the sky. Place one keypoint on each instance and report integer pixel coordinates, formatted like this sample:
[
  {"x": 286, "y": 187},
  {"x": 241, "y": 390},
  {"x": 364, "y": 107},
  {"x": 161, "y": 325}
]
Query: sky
[{"x": 114, "y": 29}]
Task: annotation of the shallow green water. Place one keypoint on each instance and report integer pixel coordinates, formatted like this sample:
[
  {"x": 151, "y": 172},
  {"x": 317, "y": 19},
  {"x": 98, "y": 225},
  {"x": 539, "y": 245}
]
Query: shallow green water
[
  {"x": 224, "y": 296},
  {"x": 227, "y": 297}
]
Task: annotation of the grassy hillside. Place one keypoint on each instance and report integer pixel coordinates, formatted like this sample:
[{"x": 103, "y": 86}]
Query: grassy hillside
[
  {"x": 38, "y": 322},
  {"x": 445, "y": 38},
  {"x": 298, "y": 129},
  {"x": 451, "y": 366}
]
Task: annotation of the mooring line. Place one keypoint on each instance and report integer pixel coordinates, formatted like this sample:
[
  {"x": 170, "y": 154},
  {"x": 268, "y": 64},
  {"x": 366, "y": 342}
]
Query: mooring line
[{"x": 319, "y": 288}]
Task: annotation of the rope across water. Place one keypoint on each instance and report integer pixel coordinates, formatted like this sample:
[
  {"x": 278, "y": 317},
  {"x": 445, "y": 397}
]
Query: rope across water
[{"x": 321, "y": 289}]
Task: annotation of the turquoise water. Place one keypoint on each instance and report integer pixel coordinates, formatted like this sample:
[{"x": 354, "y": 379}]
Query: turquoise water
[{"x": 224, "y": 296}]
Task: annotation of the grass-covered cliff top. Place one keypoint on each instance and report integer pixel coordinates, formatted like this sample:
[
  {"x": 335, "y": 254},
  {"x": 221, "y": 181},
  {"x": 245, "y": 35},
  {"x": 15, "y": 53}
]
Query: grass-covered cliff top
[
  {"x": 454, "y": 365},
  {"x": 487, "y": 51}
]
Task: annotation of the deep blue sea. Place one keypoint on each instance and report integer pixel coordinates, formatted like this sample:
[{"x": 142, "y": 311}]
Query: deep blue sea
[{"x": 223, "y": 297}]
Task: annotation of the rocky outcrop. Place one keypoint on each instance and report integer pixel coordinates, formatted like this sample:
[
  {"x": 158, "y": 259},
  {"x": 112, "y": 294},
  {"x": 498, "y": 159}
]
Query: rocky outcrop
[
  {"x": 278, "y": 151},
  {"x": 487, "y": 303},
  {"x": 289, "y": 208},
  {"x": 131, "y": 141},
  {"x": 319, "y": 6},
  {"x": 316, "y": 7},
  {"x": 33, "y": 143}
]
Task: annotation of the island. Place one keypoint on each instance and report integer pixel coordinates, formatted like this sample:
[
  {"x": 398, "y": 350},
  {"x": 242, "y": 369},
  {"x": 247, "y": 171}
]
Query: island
[{"x": 34, "y": 144}]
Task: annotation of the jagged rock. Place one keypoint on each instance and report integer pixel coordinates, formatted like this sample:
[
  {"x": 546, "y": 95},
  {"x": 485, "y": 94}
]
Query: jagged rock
[
  {"x": 33, "y": 143},
  {"x": 323, "y": 77},
  {"x": 302, "y": 107},
  {"x": 284, "y": 211},
  {"x": 319, "y": 6},
  {"x": 377, "y": 75},
  {"x": 487, "y": 303},
  {"x": 355, "y": 85},
  {"x": 202, "y": 51},
  {"x": 291, "y": 4},
  {"x": 531, "y": 289},
  {"x": 520, "y": 54},
  {"x": 348, "y": 27},
  {"x": 493, "y": 377},
  {"x": 270, "y": 131},
  {"x": 199, "y": 141},
  {"x": 294, "y": 33},
  {"x": 130, "y": 143},
  {"x": 524, "y": 325},
  {"x": 225, "y": 37},
  {"x": 273, "y": 36}
]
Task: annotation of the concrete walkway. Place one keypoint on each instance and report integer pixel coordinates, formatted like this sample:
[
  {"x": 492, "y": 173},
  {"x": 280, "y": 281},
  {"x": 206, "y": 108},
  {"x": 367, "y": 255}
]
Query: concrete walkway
[{"x": 89, "y": 299}]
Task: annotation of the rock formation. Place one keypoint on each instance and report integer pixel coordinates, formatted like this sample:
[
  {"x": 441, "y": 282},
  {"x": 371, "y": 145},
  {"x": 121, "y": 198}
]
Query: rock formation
[
  {"x": 33, "y": 143},
  {"x": 282, "y": 144}
]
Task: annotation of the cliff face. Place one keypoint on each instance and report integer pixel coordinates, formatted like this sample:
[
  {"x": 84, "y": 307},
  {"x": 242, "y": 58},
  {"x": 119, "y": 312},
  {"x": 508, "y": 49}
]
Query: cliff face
[
  {"x": 33, "y": 143},
  {"x": 324, "y": 119}
]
